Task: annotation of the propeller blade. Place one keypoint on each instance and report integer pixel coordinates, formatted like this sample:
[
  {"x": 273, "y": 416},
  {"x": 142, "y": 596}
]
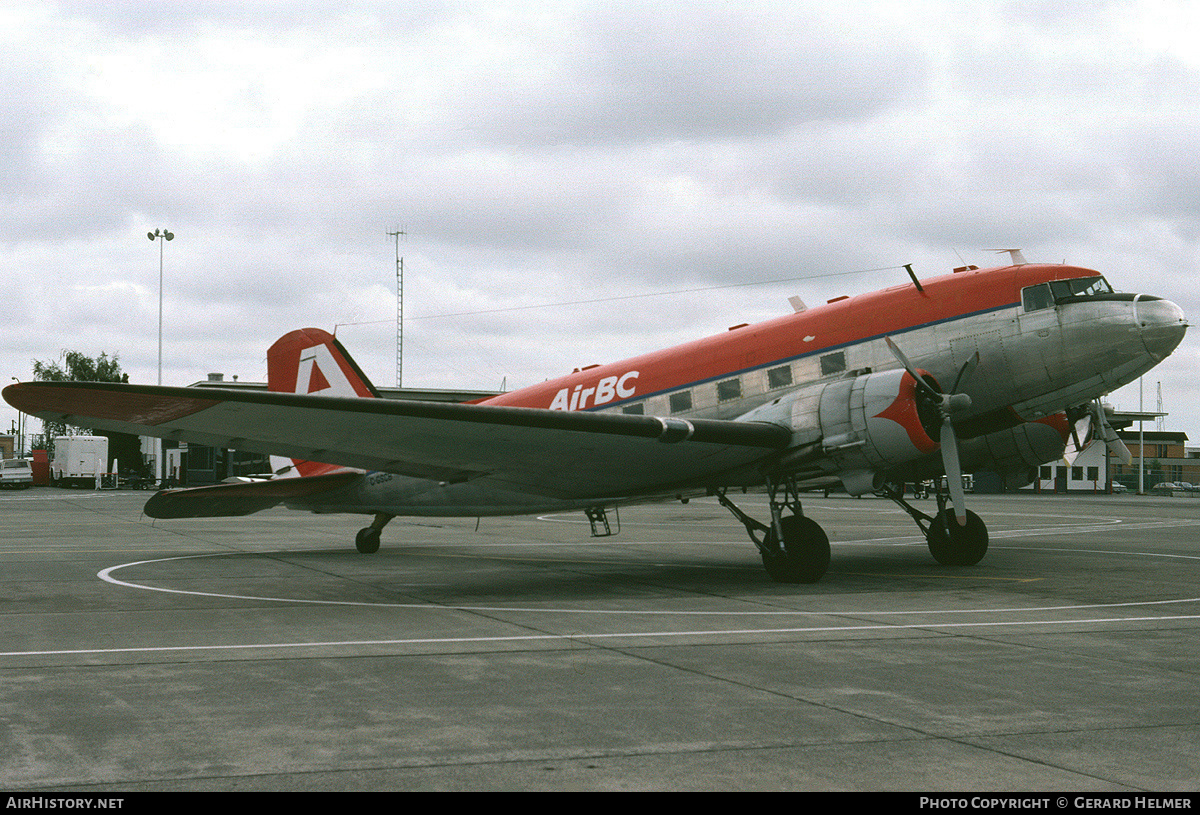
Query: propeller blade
[
  {"x": 1111, "y": 440},
  {"x": 1118, "y": 448},
  {"x": 964, "y": 373},
  {"x": 921, "y": 383},
  {"x": 1072, "y": 452},
  {"x": 1086, "y": 424},
  {"x": 953, "y": 472}
]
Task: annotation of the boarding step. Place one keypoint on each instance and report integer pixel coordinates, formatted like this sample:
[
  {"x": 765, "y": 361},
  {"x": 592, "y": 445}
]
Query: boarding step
[{"x": 598, "y": 518}]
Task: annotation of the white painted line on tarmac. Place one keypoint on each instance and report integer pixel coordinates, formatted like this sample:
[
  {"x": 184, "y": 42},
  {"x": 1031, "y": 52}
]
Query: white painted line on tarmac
[
  {"x": 586, "y": 637},
  {"x": 107, "y": 576}
]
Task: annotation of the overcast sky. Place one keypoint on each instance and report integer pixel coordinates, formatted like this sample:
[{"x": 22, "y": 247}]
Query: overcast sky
[{"x": 543, "y": 153}]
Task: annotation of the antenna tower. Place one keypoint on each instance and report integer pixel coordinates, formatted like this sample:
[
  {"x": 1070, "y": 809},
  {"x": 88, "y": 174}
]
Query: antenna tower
[{"x": 399, "y": 307}]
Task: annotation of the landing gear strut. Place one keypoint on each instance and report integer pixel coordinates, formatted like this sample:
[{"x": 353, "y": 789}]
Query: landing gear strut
[
  {"x": 367, "y": 539},
  {"x": 794, "y": 548},
  {"x": 950, "y": 543}
]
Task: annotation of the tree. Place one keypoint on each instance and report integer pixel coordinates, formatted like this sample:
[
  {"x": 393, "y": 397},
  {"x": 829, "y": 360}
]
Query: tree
[
  {"x": 75, "y": 366},
  {"x": 78, "y": 367}
]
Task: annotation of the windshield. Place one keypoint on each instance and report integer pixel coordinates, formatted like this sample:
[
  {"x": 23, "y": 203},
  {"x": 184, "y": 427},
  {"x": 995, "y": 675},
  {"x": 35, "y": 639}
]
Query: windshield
[
  {"x": 1045, "y": 295},
  {"x": 1079, "y": 287}
]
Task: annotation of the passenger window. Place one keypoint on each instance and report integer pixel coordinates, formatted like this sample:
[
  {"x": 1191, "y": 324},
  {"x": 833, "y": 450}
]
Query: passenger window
[
  {"x": 729, "y": 389},
  {"x": 833, "y": 363},
  {"x": 779, "y": 377},
  {"x": 634, "y": 410},
  {"x": 681, "y": 401},
  {"x": 1035, "y": 298}
]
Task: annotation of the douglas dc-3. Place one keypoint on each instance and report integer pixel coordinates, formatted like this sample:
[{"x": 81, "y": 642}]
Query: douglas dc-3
[{"x": 982, "y": 369}]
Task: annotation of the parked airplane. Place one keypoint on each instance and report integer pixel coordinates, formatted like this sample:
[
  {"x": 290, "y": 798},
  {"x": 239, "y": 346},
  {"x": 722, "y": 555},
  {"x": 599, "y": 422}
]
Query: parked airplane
[{"x": 982, "y": 369}]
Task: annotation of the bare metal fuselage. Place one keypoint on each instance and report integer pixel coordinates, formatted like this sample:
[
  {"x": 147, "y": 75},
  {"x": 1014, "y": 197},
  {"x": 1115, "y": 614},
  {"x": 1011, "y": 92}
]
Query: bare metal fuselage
[{"x": 1035, "y": 360}]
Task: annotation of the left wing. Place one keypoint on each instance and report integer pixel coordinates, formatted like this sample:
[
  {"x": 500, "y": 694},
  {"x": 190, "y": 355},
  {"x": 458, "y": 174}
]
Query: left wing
[{"x": 558, "y": 454}]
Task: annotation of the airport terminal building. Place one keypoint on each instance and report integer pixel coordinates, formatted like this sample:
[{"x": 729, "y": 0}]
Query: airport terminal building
[{"x": 1164, "y": 456}]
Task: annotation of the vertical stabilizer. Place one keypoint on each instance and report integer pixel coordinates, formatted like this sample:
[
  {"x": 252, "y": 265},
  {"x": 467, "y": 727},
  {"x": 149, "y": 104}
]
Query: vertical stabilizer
[{"x": 311, "y": 361}]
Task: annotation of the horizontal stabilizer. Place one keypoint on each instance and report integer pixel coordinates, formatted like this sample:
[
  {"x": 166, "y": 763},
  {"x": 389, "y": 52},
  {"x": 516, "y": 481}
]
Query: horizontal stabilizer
[{"x": 246, "y": 498}]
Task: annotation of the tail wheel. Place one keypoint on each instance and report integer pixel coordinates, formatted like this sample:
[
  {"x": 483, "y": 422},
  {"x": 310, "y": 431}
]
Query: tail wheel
[
  {"x": 952, "y": 544},
  {"x": 367, "y": 540},
  {"x": 803, "y": 554}
]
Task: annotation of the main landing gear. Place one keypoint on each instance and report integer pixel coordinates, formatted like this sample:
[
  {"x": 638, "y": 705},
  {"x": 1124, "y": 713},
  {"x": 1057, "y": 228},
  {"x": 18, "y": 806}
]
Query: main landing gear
[
  {"x": 950, "y": 543},
  {"x": 367, "y": 539},
  {"x": 794, "y": 548}
]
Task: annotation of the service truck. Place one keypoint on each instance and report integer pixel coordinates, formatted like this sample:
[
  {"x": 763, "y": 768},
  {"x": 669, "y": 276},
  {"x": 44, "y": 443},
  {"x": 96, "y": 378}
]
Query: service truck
[
  {"x": 16, "y": 473},
  {"x": 79, "y": 461}
]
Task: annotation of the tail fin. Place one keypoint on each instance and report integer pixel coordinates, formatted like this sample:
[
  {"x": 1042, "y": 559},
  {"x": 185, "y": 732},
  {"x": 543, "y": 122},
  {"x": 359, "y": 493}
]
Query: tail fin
[{"x": 312, "y": 361}]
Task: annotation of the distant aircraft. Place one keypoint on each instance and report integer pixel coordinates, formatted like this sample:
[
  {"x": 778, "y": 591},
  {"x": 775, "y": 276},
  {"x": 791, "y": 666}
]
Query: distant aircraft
[{"x": 982, "y": 369}]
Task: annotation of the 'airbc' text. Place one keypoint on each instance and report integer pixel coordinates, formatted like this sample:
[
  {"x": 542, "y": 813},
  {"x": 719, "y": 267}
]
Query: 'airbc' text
[{"x": 606, "y": 390}]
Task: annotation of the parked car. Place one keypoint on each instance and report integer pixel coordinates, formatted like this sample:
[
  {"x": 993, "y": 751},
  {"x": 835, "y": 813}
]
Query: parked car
[
  {"x": 1169, "y": 487},
  {"x": 16, "y": 473}
]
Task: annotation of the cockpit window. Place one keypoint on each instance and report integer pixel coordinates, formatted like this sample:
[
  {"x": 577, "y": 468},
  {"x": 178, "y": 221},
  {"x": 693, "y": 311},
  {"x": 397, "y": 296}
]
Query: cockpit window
[
  {"x": 1036, "y": 297},
  {"x": 1045, "y": 295},
  {"x": 1079, "y": 287}
]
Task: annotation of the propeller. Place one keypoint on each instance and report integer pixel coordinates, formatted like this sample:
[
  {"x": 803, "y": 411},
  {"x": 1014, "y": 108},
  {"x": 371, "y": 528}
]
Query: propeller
[
  {"x": 948, "y": 405},
  {"x": 1104, "y": 431},
  {"x": 1098, "y": 427}
]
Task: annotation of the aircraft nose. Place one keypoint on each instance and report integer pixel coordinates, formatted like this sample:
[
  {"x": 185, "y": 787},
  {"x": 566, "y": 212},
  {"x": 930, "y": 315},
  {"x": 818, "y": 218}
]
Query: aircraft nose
[{"x": 1161, "y": 324}]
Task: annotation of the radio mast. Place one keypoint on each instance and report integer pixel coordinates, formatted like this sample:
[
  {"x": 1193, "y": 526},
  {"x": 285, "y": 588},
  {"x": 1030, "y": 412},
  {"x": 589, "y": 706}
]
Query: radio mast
[{"x": 399, "y": 308}]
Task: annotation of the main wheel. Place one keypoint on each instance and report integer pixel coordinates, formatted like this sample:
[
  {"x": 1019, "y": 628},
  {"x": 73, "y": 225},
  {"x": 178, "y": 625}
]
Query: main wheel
[
  {"x": 954, "y": 545},
  {"x": 804, "y": 551},
  {"x": 367, "y": 540}
]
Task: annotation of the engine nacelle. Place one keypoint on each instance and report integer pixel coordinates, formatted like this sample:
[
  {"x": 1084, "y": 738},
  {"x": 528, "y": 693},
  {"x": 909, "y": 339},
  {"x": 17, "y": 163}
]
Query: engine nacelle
[
  {"x": 1017, "y": 452},
  {"x": 858, "y": 427},
  {"x": 874, "y": 422}
]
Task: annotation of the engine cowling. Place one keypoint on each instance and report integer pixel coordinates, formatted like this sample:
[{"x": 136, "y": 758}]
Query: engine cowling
[
  {"x": 873, "y": 423},
  {"x": 879, "y": 414},
  {"x": 1016, "y": 453},
  {"x": 858, "y": 427}
]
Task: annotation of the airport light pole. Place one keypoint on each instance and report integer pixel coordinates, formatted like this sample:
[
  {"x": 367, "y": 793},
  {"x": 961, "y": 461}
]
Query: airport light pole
[
  {"x": 19, "y": 450},
  {"x": 160, "y": 235}
]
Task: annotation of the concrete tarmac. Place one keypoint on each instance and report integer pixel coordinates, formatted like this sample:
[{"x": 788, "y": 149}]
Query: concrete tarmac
[{"x": 265, "y": 653}]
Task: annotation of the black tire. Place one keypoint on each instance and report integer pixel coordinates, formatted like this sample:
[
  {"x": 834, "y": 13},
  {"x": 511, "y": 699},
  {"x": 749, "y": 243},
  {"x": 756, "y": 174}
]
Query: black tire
[
  {"x": 367, "y": 541},
  {"x": 955, "y": 545},
  {"x": 804, "y": 552}
]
